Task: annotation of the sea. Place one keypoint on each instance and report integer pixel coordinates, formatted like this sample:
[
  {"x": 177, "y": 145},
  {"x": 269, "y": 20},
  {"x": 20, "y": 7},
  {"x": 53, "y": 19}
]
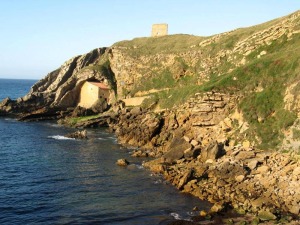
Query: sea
[{"x": 46, "y": 178}]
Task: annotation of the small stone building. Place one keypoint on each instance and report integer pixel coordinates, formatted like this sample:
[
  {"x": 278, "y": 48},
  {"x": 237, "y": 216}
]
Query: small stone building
[
  {"x": 159, "y": 30},
  {"x": 91, "y": 92}
]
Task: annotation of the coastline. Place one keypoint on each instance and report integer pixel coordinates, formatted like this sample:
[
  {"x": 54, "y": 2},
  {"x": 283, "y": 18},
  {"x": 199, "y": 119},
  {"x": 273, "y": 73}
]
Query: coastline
[
  {"x": 238, "y": 179},
  {"x": 243, "y": 183},
  {"x": 250, "y": 181},
  {"x": 220, "y": 117},
  {"x": 194, "y": 155}
]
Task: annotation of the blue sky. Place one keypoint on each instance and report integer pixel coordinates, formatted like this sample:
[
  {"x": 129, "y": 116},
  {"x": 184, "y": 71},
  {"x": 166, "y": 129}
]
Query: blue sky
[{"x": 37, "y": 36}]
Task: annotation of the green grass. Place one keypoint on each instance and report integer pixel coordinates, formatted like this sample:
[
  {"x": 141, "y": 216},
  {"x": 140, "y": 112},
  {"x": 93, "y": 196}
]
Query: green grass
[
  {"x": 296, "y": 134},
  {"x": 261, "y": 83},
  {"x": 163, "y": 80},
  {"x": 274, "y": 72},
  {"x": 264, "y": 109},
  {"x": 74, "y": 120},
  {"x": 164, "y": 44},
  {"x": 103, "y": 67}
]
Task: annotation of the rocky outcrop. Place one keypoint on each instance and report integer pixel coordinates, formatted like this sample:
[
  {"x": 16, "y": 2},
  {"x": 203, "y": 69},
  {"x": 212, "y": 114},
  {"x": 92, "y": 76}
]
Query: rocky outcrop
[
  {"x": 122, "y": 162},
  {"x": 59, "y": 90},
  {"x": 200, "y": 146},
  {"x": 199, "y": 158},
  {"x": 79, "y": 134}
]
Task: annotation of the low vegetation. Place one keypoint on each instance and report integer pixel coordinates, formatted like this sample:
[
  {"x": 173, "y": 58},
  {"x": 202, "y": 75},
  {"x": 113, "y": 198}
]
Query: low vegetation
[
  {"x": 261, "y": 81},
  {"x": 165, "y": 44},
  {"x": 72, "y": 121}
]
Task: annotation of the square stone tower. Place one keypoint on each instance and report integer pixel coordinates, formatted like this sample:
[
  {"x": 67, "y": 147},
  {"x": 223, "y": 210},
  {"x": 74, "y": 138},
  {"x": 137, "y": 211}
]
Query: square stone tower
[{"x": 159, "y": 30}]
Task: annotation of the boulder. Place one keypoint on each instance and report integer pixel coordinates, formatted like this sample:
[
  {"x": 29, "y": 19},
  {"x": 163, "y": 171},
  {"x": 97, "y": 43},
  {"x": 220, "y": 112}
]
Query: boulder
[
  {"x": 252, "y": 164},
  {"x": 139, "y": 153},
  {"x": 122, "y": 162},
  {"x": 263, "y": 169},
  {"x": 185, "y": 178},
  {"x": 136, "y": 111},
  {"x": 212, "y": 151},
  {"x": 81, "y": 111},
  {"x": 155, "y": 165},
  {"x": 99, "y": 106},
  {"x": 6, "y": 102},
  {"x": 192, "y": 153},
  {"x": 266, "y": 215},
  {"x": 177, "y": 149},
  {"x": 194, "y": 143},
  {"x": 78, "y": 135},
  {"x": 217, "y": 207},
  {"x": 240, "y": 178}
]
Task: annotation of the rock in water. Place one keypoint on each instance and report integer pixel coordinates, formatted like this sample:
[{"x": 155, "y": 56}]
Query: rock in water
[
  {"x": 78, "y": 135},
  {"x": 122, "y": 162}
]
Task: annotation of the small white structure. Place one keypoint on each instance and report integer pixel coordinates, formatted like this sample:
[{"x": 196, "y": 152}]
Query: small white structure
[{"x": 91, "y": 92}]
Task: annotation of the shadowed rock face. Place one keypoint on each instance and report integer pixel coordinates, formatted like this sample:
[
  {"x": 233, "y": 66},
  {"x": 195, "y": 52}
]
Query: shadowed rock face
[{"x": 60, "y": 89}]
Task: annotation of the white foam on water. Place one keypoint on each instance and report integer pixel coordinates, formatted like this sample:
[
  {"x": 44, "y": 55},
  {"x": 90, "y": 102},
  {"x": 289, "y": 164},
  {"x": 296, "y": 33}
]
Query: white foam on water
[
  {"x": 157, "y": 182},
  {"x": 60, "y": 137},
  {"x": 139, "y": 166},
  {"x": 53, "y": 125},
  {"x": 114, "y": 138},
  {"x": 10, "y": 119},
  {"x": 176, "y": 216}
]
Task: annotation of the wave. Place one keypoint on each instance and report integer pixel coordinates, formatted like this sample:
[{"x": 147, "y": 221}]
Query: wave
[
  {"x": 53, "y": 125},
  {"x": 140, "y": 167},
  {"x": 60, "y": 137},
  {"x": 176, "y": 216},
  {"x": 10, "y": 119}
]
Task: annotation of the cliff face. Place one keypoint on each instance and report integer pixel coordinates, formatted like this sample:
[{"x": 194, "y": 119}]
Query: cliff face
[
  {"x": 60, "y": 89},
  {"x": 258, "y": 66},
  {"x": 212, "y": 103}
]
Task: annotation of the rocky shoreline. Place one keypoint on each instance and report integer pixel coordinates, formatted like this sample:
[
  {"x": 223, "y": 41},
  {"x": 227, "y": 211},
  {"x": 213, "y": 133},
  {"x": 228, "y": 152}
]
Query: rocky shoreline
[
  {"x": 208, "y": 145},
  {"x": 193, "y": 149},
  {"x": 231, "y": 176}
]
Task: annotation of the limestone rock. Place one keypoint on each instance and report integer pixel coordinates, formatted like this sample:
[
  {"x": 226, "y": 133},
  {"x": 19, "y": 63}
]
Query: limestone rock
[
  {"x": 177, "y": 149},
  {"x": 78, "y": 135},
  {"x": 266, "y": 215},
  {"x": 122, "y": 162},
  {"x": 136, "y": 111},
  {"x": 239, "y": 178},
  {"x": 252, "y": 164},
  {"x": 263, "y": 169},
  {"x": 212, "y": 151},
  {"x": 60, "y": 89},
  {"x": 217, "y": 207},
  {"x": 80, "y": 111},
  {"x": 184, "y": 179}
]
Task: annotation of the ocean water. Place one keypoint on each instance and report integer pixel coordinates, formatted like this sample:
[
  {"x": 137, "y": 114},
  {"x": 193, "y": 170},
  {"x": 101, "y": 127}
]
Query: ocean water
[
  {"x": 14, "y": 88},
  {"x": 48, "y": 179}
]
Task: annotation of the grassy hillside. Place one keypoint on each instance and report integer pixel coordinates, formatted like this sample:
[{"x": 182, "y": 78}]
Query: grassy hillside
[{"x": 257, "y": 63}]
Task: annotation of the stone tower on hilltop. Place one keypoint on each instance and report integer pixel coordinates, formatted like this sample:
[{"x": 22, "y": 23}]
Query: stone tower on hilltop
[{"x": 159, "y": 30}]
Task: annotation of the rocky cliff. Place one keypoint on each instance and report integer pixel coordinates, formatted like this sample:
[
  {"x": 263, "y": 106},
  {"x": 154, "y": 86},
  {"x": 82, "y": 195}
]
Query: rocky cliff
[
  {"x": 59, "y": 91},
  {"x": 258, "y": 66},
  {"x": 215, "y": 110}
]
